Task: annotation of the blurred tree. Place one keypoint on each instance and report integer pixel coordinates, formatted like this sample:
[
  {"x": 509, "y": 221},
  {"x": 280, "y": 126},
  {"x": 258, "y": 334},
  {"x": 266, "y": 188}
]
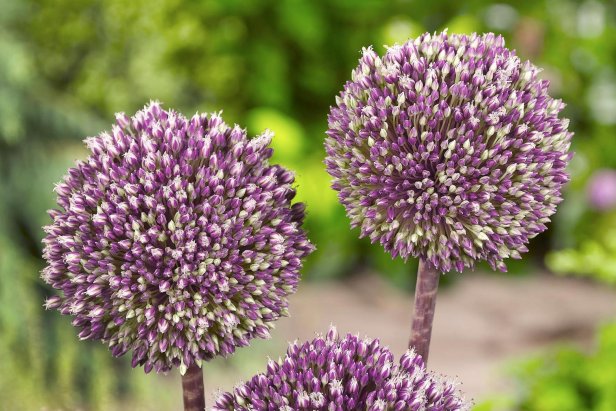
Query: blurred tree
[{"x": 269, "y": 60}]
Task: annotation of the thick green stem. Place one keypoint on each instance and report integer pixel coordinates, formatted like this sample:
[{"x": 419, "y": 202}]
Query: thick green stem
[
  {"x": 192, "y": 386},
  {"x": 423, "y": 312}
]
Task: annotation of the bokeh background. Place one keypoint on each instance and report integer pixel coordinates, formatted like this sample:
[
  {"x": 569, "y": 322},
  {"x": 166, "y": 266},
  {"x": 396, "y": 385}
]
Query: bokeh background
[{"x": 526, "y": 340}]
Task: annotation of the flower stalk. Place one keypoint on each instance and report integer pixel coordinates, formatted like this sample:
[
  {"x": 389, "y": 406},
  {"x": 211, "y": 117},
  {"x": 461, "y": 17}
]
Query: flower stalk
[
  {"x": 193, "y": 390},
  {"x": 424, "y": 306}
]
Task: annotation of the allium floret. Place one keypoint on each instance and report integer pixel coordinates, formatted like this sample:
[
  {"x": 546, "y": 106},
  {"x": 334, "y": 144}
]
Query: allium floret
[
  {"x": 448, "y": 148},
  {"x": 175, "y": 239},
  {"x": 344, "y": 374}
]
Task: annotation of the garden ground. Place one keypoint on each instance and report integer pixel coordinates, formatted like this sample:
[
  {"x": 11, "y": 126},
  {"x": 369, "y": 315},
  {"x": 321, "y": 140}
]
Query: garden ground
[{"x": 482, "y": 324}]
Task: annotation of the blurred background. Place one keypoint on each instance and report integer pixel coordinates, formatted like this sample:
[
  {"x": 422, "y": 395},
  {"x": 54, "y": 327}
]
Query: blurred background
[{"x": 530, "y": 339}]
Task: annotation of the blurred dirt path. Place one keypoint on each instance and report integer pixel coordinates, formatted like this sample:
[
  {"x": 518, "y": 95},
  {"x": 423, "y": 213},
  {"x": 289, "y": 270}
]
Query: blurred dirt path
[{"x": 482, "y": 321}]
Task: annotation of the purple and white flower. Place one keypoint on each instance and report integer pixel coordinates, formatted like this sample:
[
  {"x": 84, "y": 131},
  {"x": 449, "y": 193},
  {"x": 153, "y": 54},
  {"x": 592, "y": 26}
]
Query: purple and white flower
[
  {"x": 344, "y": 374},
  {"x": 448, "y": 148},
  {"x": 175, "y": 239}
]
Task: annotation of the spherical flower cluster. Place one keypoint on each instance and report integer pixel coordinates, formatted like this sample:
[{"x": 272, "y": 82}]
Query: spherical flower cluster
[
  {"x": 175, "y": 239},
  {"x": 448, "y": 148},
  {"x": 331, "y": 373},
  {"x": 602, "y": 190}
]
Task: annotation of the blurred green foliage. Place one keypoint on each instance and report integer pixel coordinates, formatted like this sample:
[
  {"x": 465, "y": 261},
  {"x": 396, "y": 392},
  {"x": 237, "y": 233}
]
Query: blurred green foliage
[
  {"x": 564, "y": 379},
  {"x": 594, "y": 258},
  {"x": 68, "y": 65}
]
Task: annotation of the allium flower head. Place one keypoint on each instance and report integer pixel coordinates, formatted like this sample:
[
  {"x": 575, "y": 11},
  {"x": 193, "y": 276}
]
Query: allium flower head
[
  {"x": 344, "y": 374},
  {"x": 175, "y": 239},
  {"x": 448, "y": 148},
  {"x": 602, "y": 190}
]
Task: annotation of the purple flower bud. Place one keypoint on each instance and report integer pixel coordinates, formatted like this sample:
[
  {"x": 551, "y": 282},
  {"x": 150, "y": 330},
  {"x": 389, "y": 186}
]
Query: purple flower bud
[
  {"x": 350, "y": 380},
  {"x": 448, "y": 148},
  {"x": 153, "y": 249}
]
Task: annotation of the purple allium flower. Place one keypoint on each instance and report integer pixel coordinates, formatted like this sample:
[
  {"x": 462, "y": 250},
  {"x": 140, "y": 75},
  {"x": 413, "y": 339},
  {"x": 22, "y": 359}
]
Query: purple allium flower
[
  {"x": 448, "y": 148},
  {"x": 602, "y": 190},
  {"x": 331, "y": 373},
  {"x": 176, "y": 239}
]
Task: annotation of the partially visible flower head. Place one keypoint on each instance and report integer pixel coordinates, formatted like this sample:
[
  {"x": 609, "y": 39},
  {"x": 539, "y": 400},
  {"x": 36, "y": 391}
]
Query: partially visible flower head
[
  {"x": 602, "y": 190},
  {"x": 448, "y": 148},
  {"x": 344, "y": 374},
  {"x": 175, "y": 239}
]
